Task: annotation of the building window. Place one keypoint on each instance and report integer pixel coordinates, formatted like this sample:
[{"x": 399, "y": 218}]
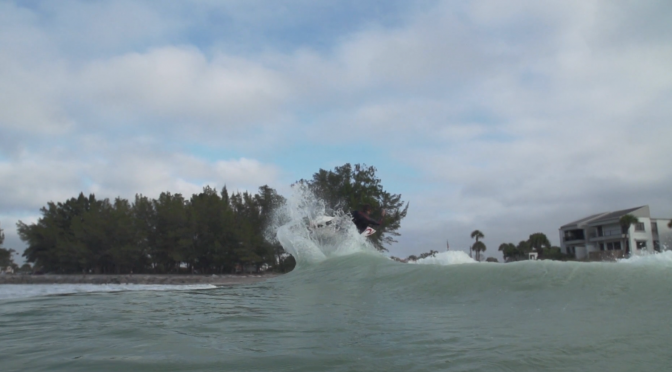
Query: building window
[
  {"x": 654, "y": 227},
  {"x": 639, "y": 226},
  {"x": 641, "y": 244},
  {"x": 656, "y": 246},
  {"x": 601, "y": 246},
  {"x": 612, "y": 230}
]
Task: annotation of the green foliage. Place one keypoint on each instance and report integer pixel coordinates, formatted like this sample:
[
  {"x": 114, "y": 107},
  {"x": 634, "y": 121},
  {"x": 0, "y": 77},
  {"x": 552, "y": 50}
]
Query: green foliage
[
  {"x": 524, "y": 248},
  {"x": 5, "y": 254},
  {"x": 537, "y": 241},
  {"x": 478, "y": 247},
  {"x": 477, "y": 234},
  {"x": 553, "y": 253},
  {"x": 510, "y": 252},
  {"x": 6, "y": 258},
  {"x": 349, "y": 187},
  {"x": 431, "y": 253},
  {"x": 627, "y": 221},
  {"x": 208, "y": 233}
]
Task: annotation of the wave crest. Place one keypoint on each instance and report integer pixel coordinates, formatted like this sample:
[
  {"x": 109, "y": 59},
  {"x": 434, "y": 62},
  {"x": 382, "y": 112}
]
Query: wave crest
[{"x": 310, "y": 242}]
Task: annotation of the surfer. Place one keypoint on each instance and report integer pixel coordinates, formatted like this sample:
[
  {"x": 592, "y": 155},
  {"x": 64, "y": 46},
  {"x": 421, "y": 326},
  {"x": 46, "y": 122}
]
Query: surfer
[{"x": 363, "y": 221}]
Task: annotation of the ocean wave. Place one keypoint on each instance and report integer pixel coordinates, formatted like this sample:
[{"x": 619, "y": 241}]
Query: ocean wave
[
  {"x": 18, "y": 291},
  {"x": 294, "y": 227},
  {"x": 446, "y": 259},
  {"x": 656, "y": 259}
]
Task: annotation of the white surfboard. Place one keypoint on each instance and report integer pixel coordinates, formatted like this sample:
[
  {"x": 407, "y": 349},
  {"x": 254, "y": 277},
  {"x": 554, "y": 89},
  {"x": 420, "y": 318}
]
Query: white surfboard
[
  {"x": 321, "y": 222},
  {"x": 368, "y": 232}
]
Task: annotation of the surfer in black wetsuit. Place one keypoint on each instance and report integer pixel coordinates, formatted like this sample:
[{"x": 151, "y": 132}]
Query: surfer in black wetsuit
[{"x": 362, "y": 219}]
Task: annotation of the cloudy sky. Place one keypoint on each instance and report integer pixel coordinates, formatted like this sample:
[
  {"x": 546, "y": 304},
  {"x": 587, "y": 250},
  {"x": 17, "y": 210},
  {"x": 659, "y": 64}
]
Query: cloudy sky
[{"x": 511, "y": 117}]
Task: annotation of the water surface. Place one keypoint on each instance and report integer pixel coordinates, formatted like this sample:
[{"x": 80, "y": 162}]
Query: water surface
[{"x": 360, "y": 312}]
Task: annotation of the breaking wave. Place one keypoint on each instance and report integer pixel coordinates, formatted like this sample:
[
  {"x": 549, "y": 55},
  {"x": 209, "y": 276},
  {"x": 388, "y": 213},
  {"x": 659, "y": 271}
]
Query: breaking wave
[
  {"x": 445, "y": 259},
  {"x": 302, "y": 230},
  {"x": 655, "y": 259}
]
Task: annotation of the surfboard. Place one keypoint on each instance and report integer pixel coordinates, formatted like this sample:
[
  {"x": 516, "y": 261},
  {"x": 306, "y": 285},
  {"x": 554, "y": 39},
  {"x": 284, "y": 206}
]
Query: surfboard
[
  {"x": 324, "y": 221},
  {"x": 368, "y": 232}
]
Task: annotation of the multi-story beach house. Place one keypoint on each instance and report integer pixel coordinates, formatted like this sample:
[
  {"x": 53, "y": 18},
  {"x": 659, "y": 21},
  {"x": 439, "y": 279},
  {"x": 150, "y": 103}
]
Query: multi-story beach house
[{"x": 600, "y": 236}]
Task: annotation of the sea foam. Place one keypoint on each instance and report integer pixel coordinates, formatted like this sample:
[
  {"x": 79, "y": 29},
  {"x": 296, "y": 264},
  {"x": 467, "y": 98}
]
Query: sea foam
[
  {"x": 445, "y": 259},
  {"x": 663, "y": 259},
  {"x": 17, "y": 291},
  {"x": 292, "y": 228}
]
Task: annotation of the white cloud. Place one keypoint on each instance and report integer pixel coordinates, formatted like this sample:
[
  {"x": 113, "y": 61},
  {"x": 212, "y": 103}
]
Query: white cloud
[
  {"x": 29, "y": 182},
  {"x": 179, "y": 84},
  {"x": 151, "y": 174}
]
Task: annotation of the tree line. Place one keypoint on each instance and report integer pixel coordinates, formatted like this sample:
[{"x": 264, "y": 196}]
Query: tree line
[
  {"x": 211, "y": 232},
  {"x": 537, "y": 242},
  {"x": 6, "y": 254}
]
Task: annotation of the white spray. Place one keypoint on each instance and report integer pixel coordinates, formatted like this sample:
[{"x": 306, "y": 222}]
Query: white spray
[{"x": 298, "y": 228}]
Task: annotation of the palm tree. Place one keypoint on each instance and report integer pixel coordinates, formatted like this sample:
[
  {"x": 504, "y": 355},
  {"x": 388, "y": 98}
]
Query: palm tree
[
  {"x": 524, "y": 249},
  {"x": 509, "y": 251},
  {"x": 625, "y": 222},
  {"x": 478, "y": 247},
  {"x": 539, "y": 241},
  {"x": 476, "y": 234}
]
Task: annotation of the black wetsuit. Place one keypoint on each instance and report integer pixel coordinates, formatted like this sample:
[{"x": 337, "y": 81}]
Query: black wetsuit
[{"x": 362, "y": 221}]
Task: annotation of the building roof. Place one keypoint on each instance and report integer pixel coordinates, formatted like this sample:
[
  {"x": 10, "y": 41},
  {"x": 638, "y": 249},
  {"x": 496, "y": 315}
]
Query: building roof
[
  {"x": 611, "y": 216},
  {"x": 601, "y": 218},
  {"x": 582, "y": 221}
]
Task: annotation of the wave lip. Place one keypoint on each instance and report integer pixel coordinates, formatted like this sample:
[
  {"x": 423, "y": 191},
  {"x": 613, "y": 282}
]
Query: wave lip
[
  {"x": 663, "y": 259},
  {"x": 446, "y": 259},
  {"x": 19, "y": 291}
]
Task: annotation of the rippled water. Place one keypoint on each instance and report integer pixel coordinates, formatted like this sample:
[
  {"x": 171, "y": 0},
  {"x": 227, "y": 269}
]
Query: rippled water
[{"x": 361, "y": 312}]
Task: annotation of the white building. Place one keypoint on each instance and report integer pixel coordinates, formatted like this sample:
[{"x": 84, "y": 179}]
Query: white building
[{"x": 600, "y": 236}]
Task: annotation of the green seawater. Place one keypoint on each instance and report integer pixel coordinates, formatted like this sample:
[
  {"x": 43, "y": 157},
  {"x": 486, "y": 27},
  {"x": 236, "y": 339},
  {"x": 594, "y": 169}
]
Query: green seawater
[{"x": 361, "y": 312}]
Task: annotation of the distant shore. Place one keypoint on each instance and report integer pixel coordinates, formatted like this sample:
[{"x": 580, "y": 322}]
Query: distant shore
[{"x": 134, "y": 279}]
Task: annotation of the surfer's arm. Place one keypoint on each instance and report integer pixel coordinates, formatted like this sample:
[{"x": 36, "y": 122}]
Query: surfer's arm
[
  {"x": 363, "y": 219},
  {"x": 376, "y": 223}
]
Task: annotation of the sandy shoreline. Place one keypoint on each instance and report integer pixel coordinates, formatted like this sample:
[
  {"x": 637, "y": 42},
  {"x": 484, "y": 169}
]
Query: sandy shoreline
[{"x": 135, "y": 279}]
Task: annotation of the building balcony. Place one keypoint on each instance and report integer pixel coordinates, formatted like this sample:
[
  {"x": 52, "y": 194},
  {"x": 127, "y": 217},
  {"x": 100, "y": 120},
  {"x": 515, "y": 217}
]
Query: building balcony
[
  {"x": 573, "y": 239},
  {"x": 606, "y": 235}
]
